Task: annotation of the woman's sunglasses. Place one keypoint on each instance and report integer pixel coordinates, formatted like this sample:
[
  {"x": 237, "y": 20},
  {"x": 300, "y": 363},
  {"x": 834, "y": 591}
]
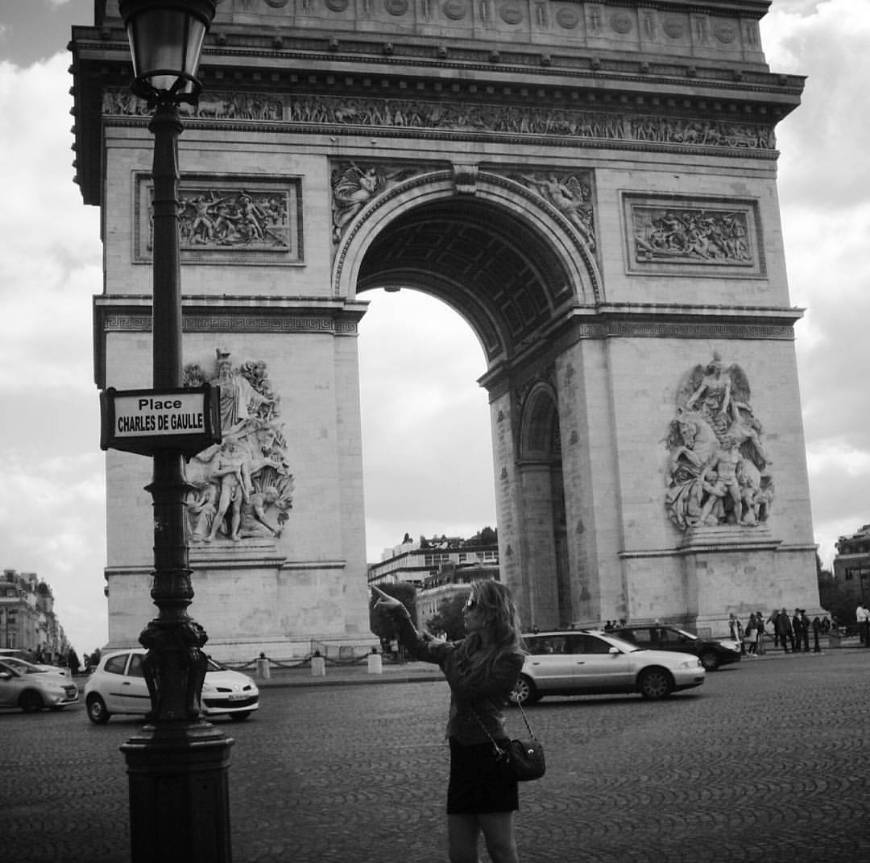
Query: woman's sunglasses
[{"x": 470, "y": 604}]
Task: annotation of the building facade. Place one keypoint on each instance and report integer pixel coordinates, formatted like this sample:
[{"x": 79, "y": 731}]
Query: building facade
[
  {"x": 591, "y": 185},
  {"x": 852, "y": 564},
  {"x": 27, "y": 618},
  {"x": 440, "y": 568}
]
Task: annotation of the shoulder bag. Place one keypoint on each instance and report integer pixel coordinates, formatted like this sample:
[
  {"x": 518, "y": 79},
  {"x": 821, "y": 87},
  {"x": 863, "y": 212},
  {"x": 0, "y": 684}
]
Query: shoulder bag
[{"x": 522, "y": 760}]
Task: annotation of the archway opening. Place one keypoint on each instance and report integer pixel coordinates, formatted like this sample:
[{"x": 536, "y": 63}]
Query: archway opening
[
  {"x": 499, "y": 270},
  {"x": 427, "y": 452}
]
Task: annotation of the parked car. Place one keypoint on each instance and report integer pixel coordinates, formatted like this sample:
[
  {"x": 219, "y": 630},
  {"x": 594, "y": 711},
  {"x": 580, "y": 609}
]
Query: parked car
[
  {"x": 711, "y": 652},
  {"x": 594, "y": 663},
  {"x": 24, "y": 685},
  {"x": 118, "y": 686}
]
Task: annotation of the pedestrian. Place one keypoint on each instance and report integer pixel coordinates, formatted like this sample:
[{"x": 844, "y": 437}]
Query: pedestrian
[
  {"x": 783, "y": 629},
  {"x": 736, "y": 629},
  {"x": 72, "y": 661},
  {"x": 795, "y": 634},
  {"x": 749, "y": 634},
  {"x": 481, "y": 670},
  {"x": 862, "y": 617},
  {"x": 759, "y": 634},
  {"x": 817, "y": 626},
  {"x": 804, "y": 632}
]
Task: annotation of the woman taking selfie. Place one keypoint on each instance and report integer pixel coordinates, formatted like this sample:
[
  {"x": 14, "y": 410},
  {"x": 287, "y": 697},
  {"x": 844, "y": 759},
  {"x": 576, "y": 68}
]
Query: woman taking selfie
[{"x": 481, "y": 670}]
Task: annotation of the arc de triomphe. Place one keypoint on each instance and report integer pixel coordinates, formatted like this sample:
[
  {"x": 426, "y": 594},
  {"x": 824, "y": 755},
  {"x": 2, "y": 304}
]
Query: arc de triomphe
[{"x": 592, "y": 186}]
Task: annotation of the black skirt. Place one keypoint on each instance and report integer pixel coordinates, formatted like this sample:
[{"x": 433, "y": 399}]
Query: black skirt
[{"x": 477, "y": 781}]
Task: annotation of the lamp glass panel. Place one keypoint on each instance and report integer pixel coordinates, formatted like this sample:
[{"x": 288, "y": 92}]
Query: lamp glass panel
[{"x": 165, "y": 41}]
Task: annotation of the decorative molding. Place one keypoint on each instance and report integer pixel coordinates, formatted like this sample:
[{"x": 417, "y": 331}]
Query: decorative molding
[
  {"x": 692, "y": 236},
  {"x": 234, "y": 322},
  {"x": 228, "y": 219},
  {"x": 469, "y": 119},
  {"x": 676, "y": 329}
]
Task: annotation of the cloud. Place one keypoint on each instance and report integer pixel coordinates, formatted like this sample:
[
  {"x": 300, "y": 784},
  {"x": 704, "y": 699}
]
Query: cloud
[
  {"x": 824, "y": 179},
  {"x": 426, "y": 432},
  {"x": 52, "y": 515}
]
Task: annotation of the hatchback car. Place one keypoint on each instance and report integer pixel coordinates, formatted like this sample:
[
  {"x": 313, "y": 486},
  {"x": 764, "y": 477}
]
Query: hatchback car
[
  {"x": 16, "y": 662},
  {"x": 118, "y": 686},
  {"x": 594, "y": 663},
  {"x": 711, "y": 652},
  {"x": 27, "y": 686}
]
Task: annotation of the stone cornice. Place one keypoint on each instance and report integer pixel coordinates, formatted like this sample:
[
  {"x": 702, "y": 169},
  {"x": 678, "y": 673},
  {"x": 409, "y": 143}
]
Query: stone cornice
[
  {"x": 204, "y": 314},
  {"x": 645, "y": 321},
  {"x": 359, "y": 64}
]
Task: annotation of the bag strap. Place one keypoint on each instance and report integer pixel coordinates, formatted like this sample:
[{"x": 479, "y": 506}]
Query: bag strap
[
  {"x": 498, "y": 750},
  {"x": 525, "y": 719}
]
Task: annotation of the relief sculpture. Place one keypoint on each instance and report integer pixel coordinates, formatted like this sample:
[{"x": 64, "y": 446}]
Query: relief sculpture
[
  {"x": 221, "y": 219},
  {"x": 241, "y": 488},
  {"x": 718, "y": 470},
  {"x": 691, "y": 235},
  {"x": 469, "y": 118},
  {"x": 353, "y": 187},
  {"x": 571, "y": 195}
]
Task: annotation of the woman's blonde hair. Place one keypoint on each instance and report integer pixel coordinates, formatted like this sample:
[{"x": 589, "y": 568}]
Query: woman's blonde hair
[{"x": 493, "y": 600}]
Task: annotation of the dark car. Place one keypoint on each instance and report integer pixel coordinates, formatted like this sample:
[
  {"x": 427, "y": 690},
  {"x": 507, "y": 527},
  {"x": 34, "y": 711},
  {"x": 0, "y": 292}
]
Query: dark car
[{"x": 713, "y": 652}]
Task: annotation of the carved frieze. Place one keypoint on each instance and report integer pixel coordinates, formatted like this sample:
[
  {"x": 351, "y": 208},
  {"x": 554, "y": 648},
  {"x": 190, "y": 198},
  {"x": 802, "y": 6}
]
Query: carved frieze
[
  {"x": 463, "y": 117},
  {"x": 229, "y": 220},
  {"x": 685, "y": 235},
  {"x": 241, "y": 488},
  {"x": 718, "y": 468}
]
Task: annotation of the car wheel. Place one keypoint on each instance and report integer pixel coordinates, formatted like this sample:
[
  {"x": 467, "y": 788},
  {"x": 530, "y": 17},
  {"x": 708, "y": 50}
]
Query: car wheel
[
  {"x": 655, "y": 683},
  {"x": 709, "y": 660},
  {"x": 96, "y": 708},
  {"x": 30, "y": 701},
  {"x": 240, "y": 717},
  {"x": 525, "y": 691}
]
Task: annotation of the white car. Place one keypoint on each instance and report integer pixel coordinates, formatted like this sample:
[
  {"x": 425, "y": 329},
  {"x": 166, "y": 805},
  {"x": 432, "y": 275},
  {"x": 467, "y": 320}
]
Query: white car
[
  {"x": 28, "y": 687},
  {"x": 118, "y": 686},
  {"x": 28, "y": 667},
  {"x": 573, "y": 662}
]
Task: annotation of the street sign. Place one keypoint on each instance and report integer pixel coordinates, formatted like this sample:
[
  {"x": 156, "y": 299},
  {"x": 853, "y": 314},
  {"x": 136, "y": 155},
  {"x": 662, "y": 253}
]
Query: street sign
[{"x": 144, "y": 421}]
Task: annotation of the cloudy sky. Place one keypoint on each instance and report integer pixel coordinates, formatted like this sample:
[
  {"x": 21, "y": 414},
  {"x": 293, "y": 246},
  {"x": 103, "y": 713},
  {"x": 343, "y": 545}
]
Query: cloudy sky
[{"x": 52, "y": 509}]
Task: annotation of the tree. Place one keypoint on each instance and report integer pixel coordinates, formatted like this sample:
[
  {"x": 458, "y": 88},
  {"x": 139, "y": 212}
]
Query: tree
[
  {"x": 486, "y": 536},
  {"x": 448, "y": 619},
  {"x": 380, "y": 622},
  {"x": 833, "y": 596}
]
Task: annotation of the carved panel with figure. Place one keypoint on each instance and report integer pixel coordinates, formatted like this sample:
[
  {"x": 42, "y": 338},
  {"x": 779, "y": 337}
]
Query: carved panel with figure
[
  {"x": 718, "y": 468},
  {"x": 242, "y": 488}
]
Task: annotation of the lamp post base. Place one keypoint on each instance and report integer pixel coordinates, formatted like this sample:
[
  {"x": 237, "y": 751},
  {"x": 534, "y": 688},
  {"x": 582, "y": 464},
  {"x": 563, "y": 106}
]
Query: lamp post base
[{"x": 179, "y": 794}]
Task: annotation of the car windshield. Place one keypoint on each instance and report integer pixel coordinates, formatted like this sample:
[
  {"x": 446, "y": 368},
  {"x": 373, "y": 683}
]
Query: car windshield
[
  {"x": 688, "y": 635},
  {"x": 214, "y": 666},
  {"x": 22, "y": 666},
  {"x": 621, "y": 643}
]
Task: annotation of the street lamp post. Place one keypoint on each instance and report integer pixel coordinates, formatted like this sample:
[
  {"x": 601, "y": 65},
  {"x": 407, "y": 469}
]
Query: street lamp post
[{"x": 178, "y": 763}]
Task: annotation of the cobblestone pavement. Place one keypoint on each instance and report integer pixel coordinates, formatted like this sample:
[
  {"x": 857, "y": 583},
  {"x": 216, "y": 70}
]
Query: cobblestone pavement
[{"x": 766, "y": 761}]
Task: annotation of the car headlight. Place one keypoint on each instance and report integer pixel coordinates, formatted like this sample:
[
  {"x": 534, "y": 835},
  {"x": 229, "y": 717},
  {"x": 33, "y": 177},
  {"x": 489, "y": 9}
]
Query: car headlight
[{"x": 691, "y": 663}]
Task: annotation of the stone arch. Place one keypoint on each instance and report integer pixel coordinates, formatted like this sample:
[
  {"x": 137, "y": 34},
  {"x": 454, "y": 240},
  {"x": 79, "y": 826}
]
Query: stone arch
[{"x": 495, "y": 251}]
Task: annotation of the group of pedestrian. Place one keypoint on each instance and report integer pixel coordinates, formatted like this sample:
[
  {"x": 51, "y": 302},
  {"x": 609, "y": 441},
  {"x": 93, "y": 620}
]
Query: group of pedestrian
[{"x": 791, "y": 633}]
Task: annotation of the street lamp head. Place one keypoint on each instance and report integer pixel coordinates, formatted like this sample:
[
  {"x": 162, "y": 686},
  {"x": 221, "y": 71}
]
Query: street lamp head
[{"x": 166, "y": 39}]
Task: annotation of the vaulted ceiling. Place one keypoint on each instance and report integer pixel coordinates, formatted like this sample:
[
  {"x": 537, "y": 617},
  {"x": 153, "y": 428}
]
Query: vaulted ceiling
[{"x": 482, "y": 260}]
